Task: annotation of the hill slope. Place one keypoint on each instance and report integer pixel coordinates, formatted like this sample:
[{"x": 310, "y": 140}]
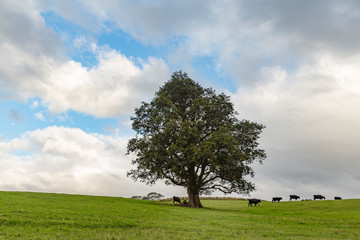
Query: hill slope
[{"x": 59, "y": 216}]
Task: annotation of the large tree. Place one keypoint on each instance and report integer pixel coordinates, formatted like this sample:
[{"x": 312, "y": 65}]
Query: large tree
[{"x": 190, "y": 136}]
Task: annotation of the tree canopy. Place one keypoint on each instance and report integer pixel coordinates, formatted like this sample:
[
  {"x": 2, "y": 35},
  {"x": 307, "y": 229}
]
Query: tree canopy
[{"x": 190, "y": 136}]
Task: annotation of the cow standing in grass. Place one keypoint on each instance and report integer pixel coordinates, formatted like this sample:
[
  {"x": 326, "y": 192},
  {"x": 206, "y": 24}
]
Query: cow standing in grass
[
  {"x": 319, "y": 197},
  {"x": 296, "y": 197},
  {"x": 254, "y": 201},
  {"x": 276, "y": 199},
  {"x": 176, "y": 199},
  {"x": 337, "y": 198}
]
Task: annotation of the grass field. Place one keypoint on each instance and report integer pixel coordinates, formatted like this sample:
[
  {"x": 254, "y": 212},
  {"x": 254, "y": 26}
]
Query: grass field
[{"x": 59, "y": 216}]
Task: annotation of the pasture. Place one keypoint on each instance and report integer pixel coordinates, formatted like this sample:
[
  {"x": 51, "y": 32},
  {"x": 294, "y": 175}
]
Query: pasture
[{"x": 26, "y": 215}]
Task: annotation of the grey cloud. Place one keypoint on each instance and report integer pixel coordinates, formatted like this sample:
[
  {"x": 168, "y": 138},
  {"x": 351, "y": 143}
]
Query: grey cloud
[
  {"x": 15, "y": 115},
  {"x": 312, "y": 25},
  {"x": 312, "y": 135},
  {"x": 18, "y": 29},
  {"x": 245, "y": 36},
  {"x": 83, "y": 13},
  {"x": 28, "y": 48},
  {"x": 158, "y": 21},
  {"x": 295, "y": 177}
]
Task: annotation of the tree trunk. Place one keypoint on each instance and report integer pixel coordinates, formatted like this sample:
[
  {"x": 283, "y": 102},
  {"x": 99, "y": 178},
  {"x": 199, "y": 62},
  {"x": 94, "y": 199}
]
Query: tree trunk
[{"x": 194, "y": 200}]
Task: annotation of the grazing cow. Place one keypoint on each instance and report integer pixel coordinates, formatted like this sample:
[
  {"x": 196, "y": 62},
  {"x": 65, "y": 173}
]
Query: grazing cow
[
  {"x": 296, "y": 197},
  {"x": 276, "y": 199},
  {"x": 318, "y": 197},
  {"x": 176, "y": 199},
  {"x": 254, "y": 201},
  {"x": 337, "y": 198},
  {"x": 184, "y": 203}
]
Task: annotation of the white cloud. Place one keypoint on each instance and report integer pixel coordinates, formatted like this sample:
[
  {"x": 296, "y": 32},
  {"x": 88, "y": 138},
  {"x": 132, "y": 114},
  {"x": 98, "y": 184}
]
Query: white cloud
[
  {"x": 312, "y": 128},
  {"x": 37, "y": 69},
  {"x": 40, "y": 116},
  {"x": 67, "y": 160},
  {"x": 34, "y": 105},
  {"x": 115, "y": 86}
]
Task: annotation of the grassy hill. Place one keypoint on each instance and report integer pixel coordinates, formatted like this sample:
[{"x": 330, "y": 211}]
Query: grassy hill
[{"x": 59, "y": 216}]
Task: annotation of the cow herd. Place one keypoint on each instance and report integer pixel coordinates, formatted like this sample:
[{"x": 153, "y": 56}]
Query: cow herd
[{"x": 256, "y": 202}]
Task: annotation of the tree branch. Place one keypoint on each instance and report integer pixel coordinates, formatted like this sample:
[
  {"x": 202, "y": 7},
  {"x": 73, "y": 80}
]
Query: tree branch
[
  {"x": 219, "y": 187},
  {"x": 210, "y": 179}
]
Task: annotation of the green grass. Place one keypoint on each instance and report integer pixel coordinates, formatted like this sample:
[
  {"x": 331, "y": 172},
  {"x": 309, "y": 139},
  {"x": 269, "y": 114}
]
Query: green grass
[{"x": 59, "y": 216}]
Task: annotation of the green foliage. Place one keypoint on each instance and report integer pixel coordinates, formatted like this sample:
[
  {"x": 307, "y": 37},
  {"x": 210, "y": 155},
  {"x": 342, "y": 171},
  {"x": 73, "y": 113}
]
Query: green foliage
[
  {"x": 150, "y": 196},
  {"x": 61, "y": 216},
  {"x": 154, "y": 196},
  {"x": 190, "y": 136},
  {"x": 136, "y": 197}
]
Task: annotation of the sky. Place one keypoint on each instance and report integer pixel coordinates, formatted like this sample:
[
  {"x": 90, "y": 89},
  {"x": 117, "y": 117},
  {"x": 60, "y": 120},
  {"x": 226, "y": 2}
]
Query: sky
[{"x": 73, "y": 71}]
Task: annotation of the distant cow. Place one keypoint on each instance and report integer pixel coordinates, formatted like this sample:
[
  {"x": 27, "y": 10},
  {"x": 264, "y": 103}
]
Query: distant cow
[
  {"x": 337, "y": 198},
  {"x": 184, "y": 203},
  {"x": 176, "y": 199},
  {"x": 318, "y": 197},
  {"x": 296, "y": 197},
  {"x": 276, "y": 199},
  {"x": 254, "y": 201}
]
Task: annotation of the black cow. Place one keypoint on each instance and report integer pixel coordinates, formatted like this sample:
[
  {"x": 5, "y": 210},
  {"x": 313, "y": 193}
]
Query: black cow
[
  {"x": 337, "y": 198},
  {"x": 296, "y": 197},
  {"x": 276, "y": 199},
  {"x": 318, "y": 197},
  {"x": 184, "y": 203},
  {"x": 254, "y": 201},
  {"x": 176, "y": 199}
]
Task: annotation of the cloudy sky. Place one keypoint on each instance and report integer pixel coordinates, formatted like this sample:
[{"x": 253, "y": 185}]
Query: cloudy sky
[{"x": 72, "y": 72}]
